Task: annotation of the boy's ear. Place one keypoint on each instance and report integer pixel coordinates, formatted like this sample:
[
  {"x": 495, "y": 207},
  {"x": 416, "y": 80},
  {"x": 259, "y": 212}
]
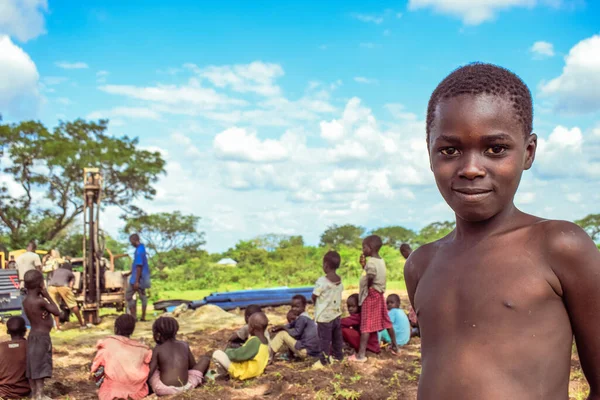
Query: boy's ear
[{"x": 530, "y": 148}]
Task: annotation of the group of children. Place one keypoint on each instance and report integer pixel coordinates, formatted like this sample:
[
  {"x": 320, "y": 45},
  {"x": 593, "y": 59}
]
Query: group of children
[{"x": 127, "y": 368}]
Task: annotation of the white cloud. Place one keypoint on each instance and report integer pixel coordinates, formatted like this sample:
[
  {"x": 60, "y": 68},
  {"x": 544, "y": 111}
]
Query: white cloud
[
  {"x": 362, "y": 79},
  {"x": 576, "y": 89},
  {"x": 574, "y": 197},
  {"x": 19, "y": 94},
  {"x": 127, "y": 112},
  {"x": 256, "y": 77},
  {"x": 23, "y": 19},
  {"x": 54, "y": 80},
  {"x": 71, "y": 65},
  {"x": 173, "y": 98},
  {"x": 542, "y": 49},
  {"x": 374, "y": 18},
  {"x": 563, "y": 155},
  {"x": 237, "y": 144},
  {"x": 333, "y": 130},
  {"x": 525, "y": 198},
  {"x": 101, "y": 76},
  {"x": 471, "y": 12},
  {"x": 398, "y": 111},
  {"x": 64, "y": 101}
]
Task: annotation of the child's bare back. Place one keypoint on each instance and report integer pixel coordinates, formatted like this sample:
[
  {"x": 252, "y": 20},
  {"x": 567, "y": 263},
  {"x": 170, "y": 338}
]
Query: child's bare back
[{"x": 173, "y": 359}]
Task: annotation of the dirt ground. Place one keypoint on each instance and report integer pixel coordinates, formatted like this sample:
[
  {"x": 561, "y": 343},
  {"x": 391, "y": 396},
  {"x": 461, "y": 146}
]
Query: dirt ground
[{"x": 383, "y": 376}]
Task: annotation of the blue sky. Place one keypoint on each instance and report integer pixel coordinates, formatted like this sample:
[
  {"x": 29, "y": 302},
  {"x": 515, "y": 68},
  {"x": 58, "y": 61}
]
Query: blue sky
[{"x": 289, "y": 117}]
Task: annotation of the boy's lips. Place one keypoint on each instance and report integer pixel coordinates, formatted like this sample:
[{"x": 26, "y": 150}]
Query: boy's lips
[{"x": 472, "y": 194}]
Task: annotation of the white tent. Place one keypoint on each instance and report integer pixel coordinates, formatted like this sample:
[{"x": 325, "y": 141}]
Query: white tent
[{"x": 227, "y": 261}]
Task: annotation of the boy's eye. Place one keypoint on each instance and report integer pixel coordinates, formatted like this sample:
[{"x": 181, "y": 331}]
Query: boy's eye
[
  {"x": 496, "y": 150},
  {"x": 449, "y": 151}
]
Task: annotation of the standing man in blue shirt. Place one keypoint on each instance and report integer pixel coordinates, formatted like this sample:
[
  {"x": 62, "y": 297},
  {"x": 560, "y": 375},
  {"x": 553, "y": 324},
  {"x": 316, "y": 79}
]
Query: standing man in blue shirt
[{"x": 139, "y": 280}]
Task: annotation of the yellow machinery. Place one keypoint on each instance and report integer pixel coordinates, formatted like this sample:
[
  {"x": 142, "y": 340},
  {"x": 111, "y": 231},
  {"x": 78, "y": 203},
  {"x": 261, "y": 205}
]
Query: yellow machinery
[{"x": 14, "y": 254}]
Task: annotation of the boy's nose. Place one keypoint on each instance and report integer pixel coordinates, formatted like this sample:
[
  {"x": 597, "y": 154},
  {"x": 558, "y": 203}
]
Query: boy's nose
[{"x": 472, "y": 167}]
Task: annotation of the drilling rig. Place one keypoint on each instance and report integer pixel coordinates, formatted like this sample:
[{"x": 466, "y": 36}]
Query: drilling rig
[{"x": 99, "y": 284}]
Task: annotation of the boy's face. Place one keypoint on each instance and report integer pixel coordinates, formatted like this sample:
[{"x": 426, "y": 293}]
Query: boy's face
[
  {"x": 366, "y": 249},
  {"x": 291, "y": 317},
  {"x": 297, "y": 306},
  {"x": 478, "y": 153},
  {"x": 392, "y": 303},
  {"x": 352, "y": 306}
]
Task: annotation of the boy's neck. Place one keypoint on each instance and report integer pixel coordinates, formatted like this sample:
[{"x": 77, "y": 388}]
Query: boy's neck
[
  {"x": 15, "y": 338},
  {"x": 34, "y": 292},
  {"x": 497, "y": 223},
  {"x": 374, "y": 255}
]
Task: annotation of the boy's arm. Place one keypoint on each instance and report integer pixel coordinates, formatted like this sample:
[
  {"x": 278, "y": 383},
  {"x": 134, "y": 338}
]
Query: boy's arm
[
  {"x": 371, "y": 272},
  {"x": 49, "y": 305},
  {"x": 191, "y": 359},
  {"x": 575, "y": 260},
  {"x": 153, "y": 362},
  {"x": 234, "y": 338},
  {"x": 297, "y": 328},
  {"x": 246, "y": 352}
]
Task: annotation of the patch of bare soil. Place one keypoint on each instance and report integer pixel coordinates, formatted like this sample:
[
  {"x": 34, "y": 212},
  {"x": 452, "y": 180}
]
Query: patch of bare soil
[{"x": 383, "y": 376}]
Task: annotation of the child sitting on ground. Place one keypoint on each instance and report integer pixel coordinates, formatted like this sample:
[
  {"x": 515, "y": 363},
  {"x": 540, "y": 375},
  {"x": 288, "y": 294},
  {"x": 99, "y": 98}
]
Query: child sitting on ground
[
  {"x": 400, "y": 322},
  {"x": 327, "y": 297},
  {"x": 38, "y": 306},
  {"x": 173, "y": 368},
  {"x": 13, "y": 361},
  {"x": 300, "y": 336},
  {"x": 122, "y": 364},
  {"x": 351, "y": 328},
  {"x": 241, "y": 336},
  {"x": 374, "y": 315},
  {"x": 250, "y": 360}
]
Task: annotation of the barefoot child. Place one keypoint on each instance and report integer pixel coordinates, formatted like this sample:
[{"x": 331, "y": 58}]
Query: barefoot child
[
  {"x": 500, "y": 298},
  {"x": 351, "y": 328},
  {"x": 399, "y": 320},
  {"x": 301, "y": 336},
  {"x": 239, "y": 338},
  {"x": 121, "y": 364},
  {"x": 13, "y": 361},
  {"x": 38, "y": 306},
  {"x": 374, "y": 315},
  {"x": 327, "y": 297},
  {"x": 173, "y": 368},
  {"x": 250, "y": 360}
]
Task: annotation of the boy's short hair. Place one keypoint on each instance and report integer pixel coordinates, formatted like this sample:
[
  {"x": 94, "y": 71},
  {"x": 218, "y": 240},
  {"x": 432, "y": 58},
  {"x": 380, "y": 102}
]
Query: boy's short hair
[
  {"x": 125, "y": 325},
  {"x": 259, "y": 320},
  {"x": 353, "y": 297},
  {"x": 301, "y": 298},
  {"x": 480, "y": 78},
  {"x": 332, "y": 259},
  {"x": 33, "y": 279},
  {"x": 15, "y": 326},
  {"x": 394, "y": 297},
  {"x": 251, "y": 309},
  {"x": 405, "y": 246},
  {"x": 166, "y": 327},
  {"x": 374, "y": 242}
]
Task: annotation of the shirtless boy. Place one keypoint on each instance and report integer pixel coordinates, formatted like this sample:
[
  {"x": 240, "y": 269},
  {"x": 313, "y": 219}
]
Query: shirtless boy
[
  {"x": 500, "y": 298},
  {"x": 173, "y": 368},
  {"x": 38, "y": 306}
]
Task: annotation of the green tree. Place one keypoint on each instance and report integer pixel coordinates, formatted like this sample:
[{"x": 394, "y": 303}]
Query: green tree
[
  {"x": 434, "y": 231},
  {"x": 49, "y": 164},
  {"x": 292, "y": 241},
  {"x": 347, "y": 235},
  {"x": 591, "y": 224},
  {"x": 394, "y": 236},
  {"x": 167, "y": 233}
]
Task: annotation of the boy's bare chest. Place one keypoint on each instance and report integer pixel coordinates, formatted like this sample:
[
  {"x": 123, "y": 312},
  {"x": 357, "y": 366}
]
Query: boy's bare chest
[{"x": 482, "y": 286}]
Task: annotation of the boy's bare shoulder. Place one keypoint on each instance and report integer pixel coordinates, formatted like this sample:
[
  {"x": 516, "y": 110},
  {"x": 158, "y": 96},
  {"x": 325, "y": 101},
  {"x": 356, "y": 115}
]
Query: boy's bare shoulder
[
  {"x": 567, "y": 246},
  {"x": 420, "y": 258}
]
